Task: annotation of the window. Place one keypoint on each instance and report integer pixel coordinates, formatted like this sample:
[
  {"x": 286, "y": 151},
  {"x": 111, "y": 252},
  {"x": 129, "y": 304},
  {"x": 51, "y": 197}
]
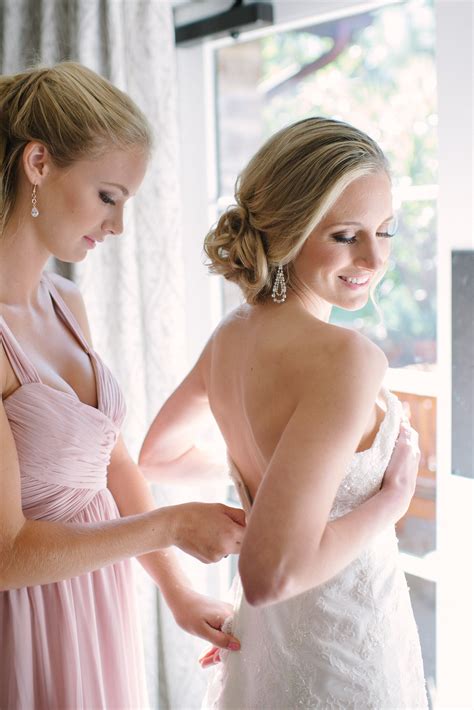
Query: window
[{"x": 375, "y": 69}]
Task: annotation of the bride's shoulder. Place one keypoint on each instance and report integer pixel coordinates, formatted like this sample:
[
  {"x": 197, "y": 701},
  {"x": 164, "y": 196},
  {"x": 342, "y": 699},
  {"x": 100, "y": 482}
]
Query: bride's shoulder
[
  {"x": 343, "y": 340},
  {"x": 329, "y": 355}
]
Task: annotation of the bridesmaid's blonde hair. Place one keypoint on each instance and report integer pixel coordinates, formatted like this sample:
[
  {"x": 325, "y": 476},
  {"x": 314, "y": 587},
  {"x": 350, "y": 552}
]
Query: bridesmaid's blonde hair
[
  {"x": 72, "y": 110},
  {"x": 282, "y": 194}
]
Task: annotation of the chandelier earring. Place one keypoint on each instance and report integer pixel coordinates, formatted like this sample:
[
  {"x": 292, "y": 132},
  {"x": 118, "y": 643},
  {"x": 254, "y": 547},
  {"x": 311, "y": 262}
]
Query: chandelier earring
[
  {"x": 279, "y": 286},
  {"x": 34, "y": 209}
]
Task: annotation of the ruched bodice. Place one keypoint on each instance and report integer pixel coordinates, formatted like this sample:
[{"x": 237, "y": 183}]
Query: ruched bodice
[
  {"x": 63, "y": 445},
  {"x": 348, "y": 644},
  {"x": 93, "y": 658}
]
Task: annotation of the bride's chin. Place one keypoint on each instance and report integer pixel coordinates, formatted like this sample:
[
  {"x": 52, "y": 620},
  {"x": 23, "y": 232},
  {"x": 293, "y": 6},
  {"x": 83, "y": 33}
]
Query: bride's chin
[{"x": 354, "y": 305}]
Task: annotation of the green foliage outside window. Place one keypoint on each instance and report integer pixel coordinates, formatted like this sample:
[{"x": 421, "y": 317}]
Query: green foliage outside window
[{"x": 377, "y": 71}]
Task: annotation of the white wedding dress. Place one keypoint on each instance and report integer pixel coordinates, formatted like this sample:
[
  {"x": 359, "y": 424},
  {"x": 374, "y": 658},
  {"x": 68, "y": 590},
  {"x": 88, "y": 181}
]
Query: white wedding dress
[{"x": 350, "y": 643}]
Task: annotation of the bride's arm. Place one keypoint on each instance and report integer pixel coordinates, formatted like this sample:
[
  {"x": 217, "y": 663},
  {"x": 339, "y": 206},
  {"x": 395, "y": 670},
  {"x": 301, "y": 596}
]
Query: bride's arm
[
  {"x": 290, "y": 546},
  {"x": 173, "y": 450}
]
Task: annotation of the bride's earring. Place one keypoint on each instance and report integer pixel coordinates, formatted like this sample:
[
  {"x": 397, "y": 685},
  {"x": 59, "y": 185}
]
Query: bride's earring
[
  {"x": 279, "y": 286},
  {"x": 34, "y": 209}
]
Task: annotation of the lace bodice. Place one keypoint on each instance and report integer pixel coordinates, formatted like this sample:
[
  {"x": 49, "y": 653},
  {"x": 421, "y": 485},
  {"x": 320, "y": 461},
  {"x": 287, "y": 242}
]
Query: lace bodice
[{"x": 366, "y": 469}]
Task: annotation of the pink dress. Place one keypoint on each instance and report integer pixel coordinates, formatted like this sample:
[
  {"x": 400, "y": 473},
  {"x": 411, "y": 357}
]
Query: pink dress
[{"x": 74, "y": 643}]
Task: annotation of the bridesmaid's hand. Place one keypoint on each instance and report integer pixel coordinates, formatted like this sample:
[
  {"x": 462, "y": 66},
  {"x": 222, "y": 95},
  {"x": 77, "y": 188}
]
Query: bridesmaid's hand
[
  {"x": 210, "y": 658},
  {"x": 204, "y": 617},
  {"x": 207, "y": 531}
]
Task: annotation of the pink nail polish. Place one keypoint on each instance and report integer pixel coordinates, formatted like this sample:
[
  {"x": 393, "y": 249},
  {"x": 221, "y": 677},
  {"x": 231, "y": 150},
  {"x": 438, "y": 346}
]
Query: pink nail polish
[{"x": 233, "y": 646}]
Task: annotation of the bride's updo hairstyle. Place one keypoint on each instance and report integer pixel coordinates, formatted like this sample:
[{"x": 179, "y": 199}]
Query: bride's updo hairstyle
[
  {"x": 283, "y": 193},
  {"x": 73, "y": 111}
]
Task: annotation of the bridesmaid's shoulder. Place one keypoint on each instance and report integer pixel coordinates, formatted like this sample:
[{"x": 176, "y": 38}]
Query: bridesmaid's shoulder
[
  {"x": 67, "y": 288},
  {"x": 73, "y": 299}
]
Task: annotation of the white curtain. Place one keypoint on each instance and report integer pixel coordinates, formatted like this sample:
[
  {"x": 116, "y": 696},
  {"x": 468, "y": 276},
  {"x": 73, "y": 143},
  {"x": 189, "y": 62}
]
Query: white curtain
[{"x": 134, "y": 285}]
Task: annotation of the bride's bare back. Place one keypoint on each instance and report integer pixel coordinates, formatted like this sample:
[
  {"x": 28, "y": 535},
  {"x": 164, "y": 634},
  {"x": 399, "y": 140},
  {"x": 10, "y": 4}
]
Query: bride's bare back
[{"x": 254, "y": 368}]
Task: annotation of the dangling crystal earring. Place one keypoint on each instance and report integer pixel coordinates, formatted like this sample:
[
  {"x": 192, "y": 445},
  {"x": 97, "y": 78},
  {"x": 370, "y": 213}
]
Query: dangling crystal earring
[
  {"x": 34, "y": 209},
  {"x": 279, "y": 286}
]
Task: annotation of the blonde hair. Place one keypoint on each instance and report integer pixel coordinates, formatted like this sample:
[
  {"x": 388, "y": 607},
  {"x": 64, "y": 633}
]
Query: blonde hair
[
  {"x": 72, "y": 110},
  {"x": 282, "y": 194}
]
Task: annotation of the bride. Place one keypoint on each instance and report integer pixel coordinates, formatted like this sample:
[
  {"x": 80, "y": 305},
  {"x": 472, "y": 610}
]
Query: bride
[{"x": 318, "y": 449}]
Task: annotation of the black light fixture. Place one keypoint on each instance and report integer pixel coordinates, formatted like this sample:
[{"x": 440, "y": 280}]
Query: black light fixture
[{"x": 236, "y": 19}]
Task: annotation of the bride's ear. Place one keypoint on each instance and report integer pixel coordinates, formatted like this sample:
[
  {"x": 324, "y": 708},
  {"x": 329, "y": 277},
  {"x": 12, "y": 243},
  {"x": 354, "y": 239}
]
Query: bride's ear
[{"x": 37, "y": 162}]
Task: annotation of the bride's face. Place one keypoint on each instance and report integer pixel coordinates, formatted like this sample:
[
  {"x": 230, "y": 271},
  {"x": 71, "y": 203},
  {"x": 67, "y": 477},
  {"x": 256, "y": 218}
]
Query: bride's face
[{"x": 350, "y": 247}]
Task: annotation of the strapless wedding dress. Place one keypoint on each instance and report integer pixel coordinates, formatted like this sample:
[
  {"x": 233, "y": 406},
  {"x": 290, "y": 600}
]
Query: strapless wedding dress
[{"x": 350, "y": 643}]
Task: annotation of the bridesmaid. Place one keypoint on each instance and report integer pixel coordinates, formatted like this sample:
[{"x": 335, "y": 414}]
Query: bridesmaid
[{"x": 74, "y": 507}]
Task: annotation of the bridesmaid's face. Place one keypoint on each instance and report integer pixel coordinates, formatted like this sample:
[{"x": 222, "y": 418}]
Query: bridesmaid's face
[
  {"x": 83, "y": 204},
  {"x": 349, "y": 248}
]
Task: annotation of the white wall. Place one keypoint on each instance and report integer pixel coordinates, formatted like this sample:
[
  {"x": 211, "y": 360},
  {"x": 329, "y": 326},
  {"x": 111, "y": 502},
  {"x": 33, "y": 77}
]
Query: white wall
[{"x": 455, "y": 589}]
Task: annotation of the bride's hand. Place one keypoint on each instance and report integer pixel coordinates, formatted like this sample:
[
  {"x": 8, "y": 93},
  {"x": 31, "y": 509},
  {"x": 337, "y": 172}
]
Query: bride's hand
[
  {"x": 201, "y": 616},
  {"x": 400, "y": 476}
]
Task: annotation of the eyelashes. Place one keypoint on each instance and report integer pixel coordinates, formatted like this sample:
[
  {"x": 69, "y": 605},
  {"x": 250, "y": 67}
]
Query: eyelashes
[
  {"x": 344, "y": 239},
  {"x": 106, "y": 198},
  {"x": 388, "y": 233}
]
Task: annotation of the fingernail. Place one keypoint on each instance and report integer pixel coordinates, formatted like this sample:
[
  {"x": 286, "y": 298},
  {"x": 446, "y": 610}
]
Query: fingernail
[
  {"x": 233, "y": 646},
  {"x": 217, "y": 657}
]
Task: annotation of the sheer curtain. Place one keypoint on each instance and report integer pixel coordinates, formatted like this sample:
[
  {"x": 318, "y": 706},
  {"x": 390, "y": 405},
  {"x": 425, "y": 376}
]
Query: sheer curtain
[{"x": 134, "y": 285}]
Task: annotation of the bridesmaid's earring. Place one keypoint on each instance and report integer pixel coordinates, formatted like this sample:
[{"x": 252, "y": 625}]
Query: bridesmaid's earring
[
  {"x": 34, "y": 209},
  {"x": 279, "y": 286}
]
